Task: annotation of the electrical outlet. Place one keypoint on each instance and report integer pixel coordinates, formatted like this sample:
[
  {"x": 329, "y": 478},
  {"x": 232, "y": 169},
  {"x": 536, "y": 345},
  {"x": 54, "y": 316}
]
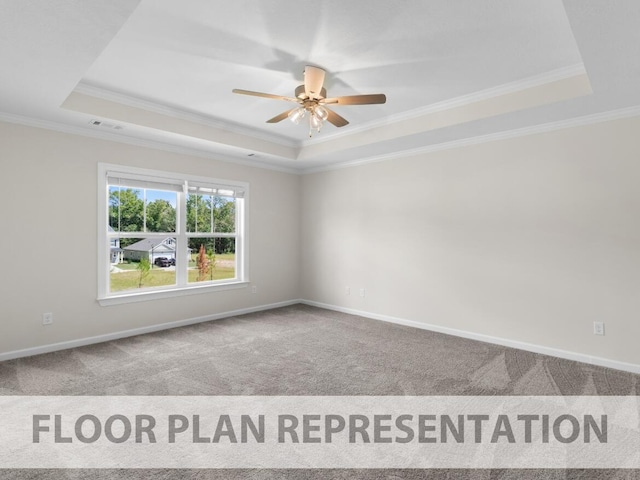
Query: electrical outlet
[
  {"x": 47, "y": 318},
  {"x": 362, "y": 292},
  {"x": 598, "y": 328},
  {"x": 254, "y": 289},
  {"x": 348, "y": 290}
]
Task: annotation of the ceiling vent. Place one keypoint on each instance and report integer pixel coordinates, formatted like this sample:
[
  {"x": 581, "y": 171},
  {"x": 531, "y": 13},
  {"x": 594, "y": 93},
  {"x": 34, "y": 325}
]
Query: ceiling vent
[{"x": 102, "y": 124}]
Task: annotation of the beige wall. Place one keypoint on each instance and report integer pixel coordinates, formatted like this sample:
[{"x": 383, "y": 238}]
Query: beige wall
[
  {"x": 530, "y": 239},
  {"x": 48, "y": 242}
]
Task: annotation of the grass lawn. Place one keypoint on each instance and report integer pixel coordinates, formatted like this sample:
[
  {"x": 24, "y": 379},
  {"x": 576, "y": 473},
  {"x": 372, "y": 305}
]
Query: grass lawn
[{"x": 128, "y": 279}]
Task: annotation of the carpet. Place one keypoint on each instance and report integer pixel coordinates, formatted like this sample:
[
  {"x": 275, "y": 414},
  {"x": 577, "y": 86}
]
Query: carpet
[{"x": 303, "y": 350}]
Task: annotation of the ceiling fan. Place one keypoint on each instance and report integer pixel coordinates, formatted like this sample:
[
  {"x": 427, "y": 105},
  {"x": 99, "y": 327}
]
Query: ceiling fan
[{"x": 312, "y": 101}]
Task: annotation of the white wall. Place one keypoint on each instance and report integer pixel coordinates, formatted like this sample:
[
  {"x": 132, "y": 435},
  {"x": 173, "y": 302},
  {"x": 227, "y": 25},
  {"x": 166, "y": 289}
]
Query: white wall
[
  {"x": 48, "y": 204},
  {"x": 530, "y": 239}
]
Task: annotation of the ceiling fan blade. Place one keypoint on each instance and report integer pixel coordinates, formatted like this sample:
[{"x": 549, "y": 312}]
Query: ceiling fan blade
[
  {"x": 336, "y": 119},
  {"x": 357, "y": 99},
  {"x": 282, "y": 116},
  {"x": 265, "y": 95},
  {"x": 313, "y": 81}
]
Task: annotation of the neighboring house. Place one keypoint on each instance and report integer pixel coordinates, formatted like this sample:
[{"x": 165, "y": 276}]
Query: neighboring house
[
  {"x": 151, "y": 248},
  {"x": 116, "y": 251}
]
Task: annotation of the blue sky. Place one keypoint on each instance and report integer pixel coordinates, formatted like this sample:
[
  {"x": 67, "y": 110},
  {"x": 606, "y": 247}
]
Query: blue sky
[{"x": 153, "y": 195}]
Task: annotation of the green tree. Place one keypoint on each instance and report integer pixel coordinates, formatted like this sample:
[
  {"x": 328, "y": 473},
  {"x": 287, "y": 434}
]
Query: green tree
[
  {"x": 199, "y": 218},
  {"x": 126, "y": 210},
  {"x": 211, "y": 258},
  {"x": 224, "y": 214},
  {"x": 206, "y": 213},
  {"x": 161, "y": 216},
  {"x": 144, "y": 269}
]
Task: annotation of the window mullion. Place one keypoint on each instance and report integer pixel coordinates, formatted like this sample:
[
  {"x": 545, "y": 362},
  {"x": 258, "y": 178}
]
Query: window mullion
[
  {"x": 239, "y": 238},
  {"x": 182, "y": 242}
]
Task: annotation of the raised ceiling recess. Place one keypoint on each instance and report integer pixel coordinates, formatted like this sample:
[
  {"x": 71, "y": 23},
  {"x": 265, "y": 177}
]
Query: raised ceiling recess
[{"x": 451, "y": 72}]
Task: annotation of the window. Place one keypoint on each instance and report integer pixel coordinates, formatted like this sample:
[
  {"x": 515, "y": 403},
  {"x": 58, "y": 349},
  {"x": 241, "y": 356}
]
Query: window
[{"x": 163, "y": 234}]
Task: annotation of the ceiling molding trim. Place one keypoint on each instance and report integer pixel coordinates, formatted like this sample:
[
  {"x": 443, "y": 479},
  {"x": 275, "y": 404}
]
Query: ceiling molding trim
[
  {"x": 104, "y": 94},
  {"x": 492, "y": 137},
  {"x": 137, "y": 142},
  {"x": 463, "y": 100},
  {"x": 601, "y": 117}
]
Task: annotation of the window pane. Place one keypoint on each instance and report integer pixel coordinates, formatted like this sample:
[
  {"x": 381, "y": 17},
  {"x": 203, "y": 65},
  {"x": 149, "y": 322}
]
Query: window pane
[
  {"x": 211, "y": 259},
  {"x": 126, "y": 209},
  {"x": 160, "y": 212},
  {"x": 224, "y": 214},
  {"x": 141, "y": 210},
  {"x": 142, "y": 263},
  {"x": 199, "y": 213}
]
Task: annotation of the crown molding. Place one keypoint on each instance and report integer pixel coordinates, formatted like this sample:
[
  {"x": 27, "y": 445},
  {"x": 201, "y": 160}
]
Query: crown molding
[
  {"x": 109, "y": 95},
  {"x": 463, "y": 100},
  {"x": 601, "y": 117},
  {"x": 138, "y": 142}
]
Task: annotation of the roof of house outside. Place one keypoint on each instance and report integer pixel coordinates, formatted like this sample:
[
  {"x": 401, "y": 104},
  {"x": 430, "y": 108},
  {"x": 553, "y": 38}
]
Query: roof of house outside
[{"x": 147, "y": 244}]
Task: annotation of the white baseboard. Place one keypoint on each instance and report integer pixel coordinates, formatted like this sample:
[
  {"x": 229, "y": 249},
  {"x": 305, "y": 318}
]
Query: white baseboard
[
  {"x": 81, "y": 342},
  {"x": 530, "y": 347}
]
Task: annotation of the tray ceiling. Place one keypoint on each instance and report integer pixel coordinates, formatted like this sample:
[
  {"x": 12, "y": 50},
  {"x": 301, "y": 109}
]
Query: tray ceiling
[{"x": 163, "y": 71}]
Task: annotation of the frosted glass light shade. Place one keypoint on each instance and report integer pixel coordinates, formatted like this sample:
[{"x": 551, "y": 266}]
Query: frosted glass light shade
[
  {"x": 297, "y": 115},
  {"x": 315, "y": 122},
  {"x": 321, "y": 112}
]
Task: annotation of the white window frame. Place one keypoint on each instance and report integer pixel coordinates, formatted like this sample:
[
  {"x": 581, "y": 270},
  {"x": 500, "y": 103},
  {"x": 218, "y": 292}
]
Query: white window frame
[{"x": 182, "y": 287}]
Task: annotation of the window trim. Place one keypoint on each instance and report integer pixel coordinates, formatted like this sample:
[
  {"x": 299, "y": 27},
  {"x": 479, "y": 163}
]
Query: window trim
[{"x": 104, "y": 297}]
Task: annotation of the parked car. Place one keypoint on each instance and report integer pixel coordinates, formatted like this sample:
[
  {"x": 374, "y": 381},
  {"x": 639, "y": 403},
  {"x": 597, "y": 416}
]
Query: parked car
[
  {"x": 161, "y": 262},
  {"x": 172, "y": 262}
]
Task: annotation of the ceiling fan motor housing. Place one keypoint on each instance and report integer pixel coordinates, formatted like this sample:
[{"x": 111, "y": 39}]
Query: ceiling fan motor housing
[{"x": 302, "y": 94}]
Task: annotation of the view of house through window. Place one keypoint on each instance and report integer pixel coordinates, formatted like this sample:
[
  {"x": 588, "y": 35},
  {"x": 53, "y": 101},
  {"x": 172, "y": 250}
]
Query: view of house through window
[{"x": 170, "y": 232}]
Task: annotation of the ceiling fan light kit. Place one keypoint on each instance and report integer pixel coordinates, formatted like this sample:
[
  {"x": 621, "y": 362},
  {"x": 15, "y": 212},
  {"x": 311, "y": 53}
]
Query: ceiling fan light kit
[
  {"x": 321, "y": 112},
  {"x": 296, "y": 115},
  {"x": 312, "y": 98}
]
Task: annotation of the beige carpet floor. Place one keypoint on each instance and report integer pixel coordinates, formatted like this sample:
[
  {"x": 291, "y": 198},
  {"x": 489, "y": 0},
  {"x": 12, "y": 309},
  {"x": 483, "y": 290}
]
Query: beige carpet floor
[{"x": 302, "y": 350}]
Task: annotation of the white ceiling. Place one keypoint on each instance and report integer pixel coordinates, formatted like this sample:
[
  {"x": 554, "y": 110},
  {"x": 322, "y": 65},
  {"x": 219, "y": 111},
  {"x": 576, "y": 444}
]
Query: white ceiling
[{"x": 453, "y": 71}]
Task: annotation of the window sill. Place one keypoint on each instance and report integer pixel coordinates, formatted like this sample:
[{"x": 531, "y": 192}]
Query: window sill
[{"x": 156, "y": 294}]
